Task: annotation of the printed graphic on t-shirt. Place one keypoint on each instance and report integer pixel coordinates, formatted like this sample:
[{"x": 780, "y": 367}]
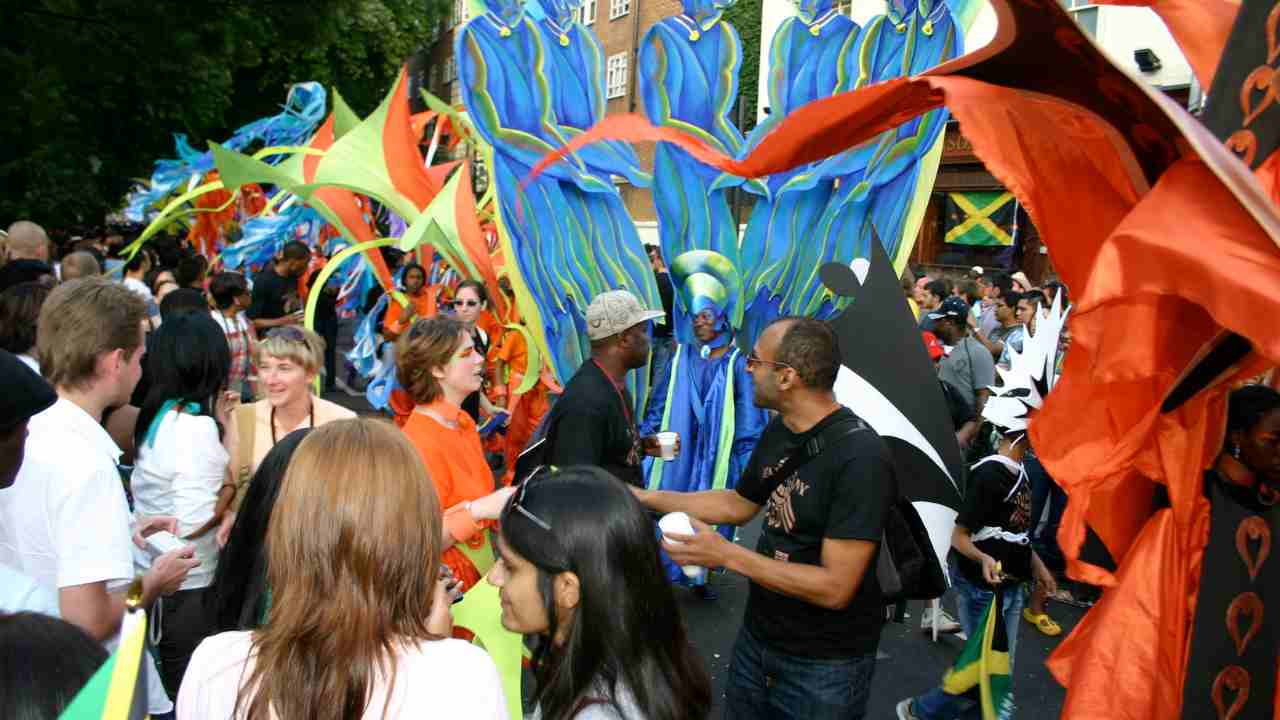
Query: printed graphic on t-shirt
[
  {"x": 1020, "y": 509},
  {"x": 781, "y": 512}
]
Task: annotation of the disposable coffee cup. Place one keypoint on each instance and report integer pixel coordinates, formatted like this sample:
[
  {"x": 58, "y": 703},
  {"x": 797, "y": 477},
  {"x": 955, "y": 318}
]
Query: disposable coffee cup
[
  {"x": 667, "y": 445},
  {"x": 678, "y": 523}
]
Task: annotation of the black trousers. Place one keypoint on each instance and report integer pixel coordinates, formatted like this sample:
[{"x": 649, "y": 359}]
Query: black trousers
[{"x": 183, "y": 623}]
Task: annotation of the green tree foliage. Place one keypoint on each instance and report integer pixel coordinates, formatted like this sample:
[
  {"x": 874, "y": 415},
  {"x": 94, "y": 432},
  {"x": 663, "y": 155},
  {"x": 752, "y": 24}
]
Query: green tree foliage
[
  {"x": 745, "y": 16},
  {"x": 96, "y": 87}
]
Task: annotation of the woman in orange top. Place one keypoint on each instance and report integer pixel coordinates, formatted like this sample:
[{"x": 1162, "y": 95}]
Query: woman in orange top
[
  {"x": 422, "y": 302},
  {"x": 438, "y": 366}
]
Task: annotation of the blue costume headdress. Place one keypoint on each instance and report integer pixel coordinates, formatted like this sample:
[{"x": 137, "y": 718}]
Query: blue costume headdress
[{"x": 706, "y": 281}]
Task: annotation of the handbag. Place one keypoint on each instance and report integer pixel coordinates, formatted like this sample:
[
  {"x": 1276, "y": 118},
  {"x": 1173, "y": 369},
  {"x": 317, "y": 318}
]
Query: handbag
[{"x": 907, "y": 567}]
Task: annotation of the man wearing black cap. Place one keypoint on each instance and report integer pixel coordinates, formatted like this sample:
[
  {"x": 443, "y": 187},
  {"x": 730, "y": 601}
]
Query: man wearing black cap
[
  {"x": 26, "y": 394},
  {"x": 968, "y": 365}
]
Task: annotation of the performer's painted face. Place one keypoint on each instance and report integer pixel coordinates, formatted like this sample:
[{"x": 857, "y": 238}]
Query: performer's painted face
[
  {"x": 508, "y": 11},
  {"x": 1260, "y": 446},
  {"x": 562, "y": 11},
  {"x": 811, "y": 9},
  {"x": 705, "y": 8},
  {"x": 706, "y": 326}
]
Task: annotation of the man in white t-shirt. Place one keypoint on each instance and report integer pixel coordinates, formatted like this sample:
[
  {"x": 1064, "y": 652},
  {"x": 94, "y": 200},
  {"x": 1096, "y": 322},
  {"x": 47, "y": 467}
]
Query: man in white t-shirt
[{"x": 65, "y": 521}]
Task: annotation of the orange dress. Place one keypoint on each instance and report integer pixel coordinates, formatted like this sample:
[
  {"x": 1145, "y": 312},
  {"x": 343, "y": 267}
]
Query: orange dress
[
  {"x": 424, "y": 306},
  {"x": 458, "y": 470}
]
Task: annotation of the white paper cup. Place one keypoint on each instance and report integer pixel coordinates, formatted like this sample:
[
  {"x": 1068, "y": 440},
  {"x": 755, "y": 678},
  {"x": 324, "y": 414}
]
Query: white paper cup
[
  {"x": 667, "y": 446},
  {"x": 678, "y": 523}
]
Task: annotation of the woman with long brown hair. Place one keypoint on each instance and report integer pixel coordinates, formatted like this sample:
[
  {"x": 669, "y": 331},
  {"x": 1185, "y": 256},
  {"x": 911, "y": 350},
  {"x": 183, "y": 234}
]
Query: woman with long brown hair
[{"x": 359, "y": 618}]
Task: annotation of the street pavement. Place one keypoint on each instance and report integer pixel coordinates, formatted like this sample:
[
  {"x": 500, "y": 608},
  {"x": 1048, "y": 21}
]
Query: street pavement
[{"x": 909, "y": 662}]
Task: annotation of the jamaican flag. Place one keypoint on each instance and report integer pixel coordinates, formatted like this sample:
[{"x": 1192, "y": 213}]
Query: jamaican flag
[
  {"x": 982, "y": 670},
  {"x": 981, "y": 218},
  {"x": 118, "y": 691}
]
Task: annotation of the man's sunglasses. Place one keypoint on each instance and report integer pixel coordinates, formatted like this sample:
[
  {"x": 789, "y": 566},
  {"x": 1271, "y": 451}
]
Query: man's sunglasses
[{"x": 753, "y": 360}]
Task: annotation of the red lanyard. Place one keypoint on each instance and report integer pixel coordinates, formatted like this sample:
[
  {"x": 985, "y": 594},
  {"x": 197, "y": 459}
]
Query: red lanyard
[{"x": 622, "y": 399}]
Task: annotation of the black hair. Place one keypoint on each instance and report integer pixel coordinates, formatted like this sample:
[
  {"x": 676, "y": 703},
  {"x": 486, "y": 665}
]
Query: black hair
[
  {"x": 296, "y": 250},
  {"x": 810, "y": 347},
  {"x": 189, "y": 270},
  {"x": 1001, "y": 280},
  {"x": 19, "y": 314},
  {"x": 135, "y": 263},
  {"x": 183, "y": 301},
  {"x": 969, "y": 291},
  {"x": 44, "y": 662},
  {"x": 237, "y": 598},
  {"x": 187, "y": 360},
  {"x": 404, "y": 275},
  {"x": 476, "y": 285},
  {"x": 16, "y": 272},
  {"x": 1057, "y": 287},
  {"x": 225, "y": 287},
  {"x": 1247, "y": 406},
  {"x": 939, "y": 288},
  {"x": 627, "y": 631},
  {"x": 1011, "y": 298}
]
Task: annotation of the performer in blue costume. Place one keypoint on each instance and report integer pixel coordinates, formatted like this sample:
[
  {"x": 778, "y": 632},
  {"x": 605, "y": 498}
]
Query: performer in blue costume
[
  {"x": 807, "y": 62},
  {"x": 689, "y": 80},
  {"x": 529, "y": 87},
  {"x": 707, "y": 396}
]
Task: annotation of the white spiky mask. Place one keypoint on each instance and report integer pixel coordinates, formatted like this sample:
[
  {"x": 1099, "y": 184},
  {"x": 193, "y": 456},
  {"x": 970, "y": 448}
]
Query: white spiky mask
[{"x": 1031, "y": 373}]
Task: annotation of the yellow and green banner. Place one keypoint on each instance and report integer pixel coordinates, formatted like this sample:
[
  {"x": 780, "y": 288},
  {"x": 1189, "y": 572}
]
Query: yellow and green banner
[
  {"x": 118, "y": 691},
  {"x": 981, "y": 218},
  {"x": 982, "y": 671}
]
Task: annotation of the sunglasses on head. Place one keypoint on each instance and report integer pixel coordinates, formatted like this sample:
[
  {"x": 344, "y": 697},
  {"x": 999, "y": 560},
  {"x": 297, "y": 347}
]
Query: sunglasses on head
[
  {"x": 466, "y": 303},
  {"x": 287, "y": 332},
  {"x": 518, "y": 503}
]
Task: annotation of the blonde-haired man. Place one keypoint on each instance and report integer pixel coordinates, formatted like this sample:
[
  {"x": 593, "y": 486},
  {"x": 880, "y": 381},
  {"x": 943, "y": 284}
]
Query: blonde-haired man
[
  {"x": 27, "y": 241},
  {"x": 66, "y": 520}
]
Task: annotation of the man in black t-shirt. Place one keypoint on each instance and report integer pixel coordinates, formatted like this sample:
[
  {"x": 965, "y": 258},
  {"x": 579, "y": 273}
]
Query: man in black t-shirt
[
  {"x": 275, "y": 300},
  {"x": 808, "y": 642},
  {"x": 593, "y": 422}
]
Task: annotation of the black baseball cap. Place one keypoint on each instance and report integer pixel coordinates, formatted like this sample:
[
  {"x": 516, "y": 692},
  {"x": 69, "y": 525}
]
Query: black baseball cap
[
  {"x": 952, "y": 307},
  {"x": 25, "y": 393}
]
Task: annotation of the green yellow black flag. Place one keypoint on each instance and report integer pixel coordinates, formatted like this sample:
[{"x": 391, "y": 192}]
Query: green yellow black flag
[
  {"x": 981, "y": 218},
  {"x": 982, "y": 670},
  {"x": 118, "y": 690}
]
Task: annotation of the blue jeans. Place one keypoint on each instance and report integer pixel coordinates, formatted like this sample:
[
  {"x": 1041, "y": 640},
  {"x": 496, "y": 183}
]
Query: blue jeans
[
  {"x": 1044, "y": 491},
  {"x": 764, "y": 684},
  {"x": 971, "y": 602}
]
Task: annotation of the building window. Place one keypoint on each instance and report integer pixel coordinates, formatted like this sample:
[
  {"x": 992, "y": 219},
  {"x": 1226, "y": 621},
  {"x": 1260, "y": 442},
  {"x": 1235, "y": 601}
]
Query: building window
[
  {"x": 461, "y": 11},
  {"x": 618, "y": 8},
  {"x": 588, "y": 16},
  {"x": 435, "y": 78},
  {"x": 616, "y": 75},
  {"x": 450, "y": 70}
]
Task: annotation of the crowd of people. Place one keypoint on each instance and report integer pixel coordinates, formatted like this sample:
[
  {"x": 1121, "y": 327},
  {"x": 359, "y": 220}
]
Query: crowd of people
[{"x": 319, "y": 554}]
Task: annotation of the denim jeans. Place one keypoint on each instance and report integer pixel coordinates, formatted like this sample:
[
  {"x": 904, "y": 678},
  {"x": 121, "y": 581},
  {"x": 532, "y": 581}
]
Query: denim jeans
[
  {"x": 971, "y": 602},
  {"x": 765, "y": 684},
  {"x": 1044, "y": 491}
]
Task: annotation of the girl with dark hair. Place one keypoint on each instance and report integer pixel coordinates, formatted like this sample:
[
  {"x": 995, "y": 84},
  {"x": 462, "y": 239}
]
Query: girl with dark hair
[
  {"x": 578, "y": 567},
  {"x": 422, "y": 302},
  {"x": 184, "y": 446},
  {"x": 44, "y": 662},
  {"x": 239, "y": 597},
  {"x": 470, "y": 300}
]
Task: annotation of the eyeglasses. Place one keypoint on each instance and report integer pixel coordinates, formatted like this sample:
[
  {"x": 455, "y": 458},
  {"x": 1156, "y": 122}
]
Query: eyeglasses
[
  {"x": 518, "y": 503},
  {"x": 466, "y": 303},
  {"x": 291, "y": 333},
  {"x": 754, "y": 360}
]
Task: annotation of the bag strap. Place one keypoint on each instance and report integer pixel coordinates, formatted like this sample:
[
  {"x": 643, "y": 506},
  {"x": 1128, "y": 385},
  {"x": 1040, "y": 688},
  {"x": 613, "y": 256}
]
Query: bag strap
[
  {"x": 242, "y": 471},
  {"x": 814, "y": 446}
]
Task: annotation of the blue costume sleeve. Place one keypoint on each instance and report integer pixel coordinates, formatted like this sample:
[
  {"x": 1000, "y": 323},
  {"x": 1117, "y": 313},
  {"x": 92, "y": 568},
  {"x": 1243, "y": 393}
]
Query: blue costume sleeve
[{"x": 748, "y": 422}]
